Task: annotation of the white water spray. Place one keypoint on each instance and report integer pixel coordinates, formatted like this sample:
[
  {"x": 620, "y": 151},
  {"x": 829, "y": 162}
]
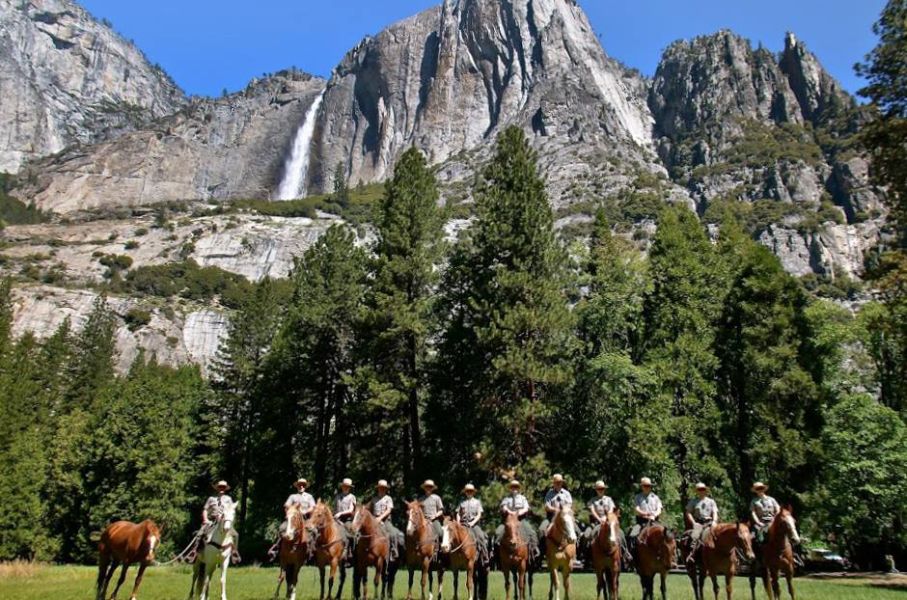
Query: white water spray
[{"x": 296, "y": 167}]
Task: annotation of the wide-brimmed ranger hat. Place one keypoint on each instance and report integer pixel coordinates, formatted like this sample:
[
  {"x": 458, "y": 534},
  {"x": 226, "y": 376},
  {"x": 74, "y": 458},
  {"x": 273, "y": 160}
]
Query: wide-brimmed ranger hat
[
  {"x": 557, "y": 478},
  {"x": 222, "y": 485},
  {"x": 429, "y": 484},
  {"x": 702, "y": 486},
  {"x": 759, "y": 486},
  {"x": 469, "y": 488},
  {"x": 382, "y": 483},
  {"x": 301, "y": 482},
  {"x": 600, "y": 485},
  {"x": 514, "y": 484},
  {"x": 347, "y": 482},
  {"x": 645, "y": 482}
]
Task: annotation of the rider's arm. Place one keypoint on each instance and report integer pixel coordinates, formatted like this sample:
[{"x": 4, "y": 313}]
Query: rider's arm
[
  {"x": 476, "y": 520},
  {"x": 715, "y": 516},
  {"x": 688, "y": 519},
  {"x": 641, "y": 513},
  {"x": 205, "y": 519}
]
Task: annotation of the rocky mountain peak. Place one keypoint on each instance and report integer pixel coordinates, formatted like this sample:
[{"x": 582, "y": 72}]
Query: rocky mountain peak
[
  {"x": 819, "y": 95},
  {"x": 68, "y": 78}
]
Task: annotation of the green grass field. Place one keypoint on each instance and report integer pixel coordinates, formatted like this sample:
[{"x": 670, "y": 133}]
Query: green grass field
[{"x": 250, "y": 583}]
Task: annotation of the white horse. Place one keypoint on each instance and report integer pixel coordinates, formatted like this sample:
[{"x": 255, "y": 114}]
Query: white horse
[{"x": 217, "y": 550}]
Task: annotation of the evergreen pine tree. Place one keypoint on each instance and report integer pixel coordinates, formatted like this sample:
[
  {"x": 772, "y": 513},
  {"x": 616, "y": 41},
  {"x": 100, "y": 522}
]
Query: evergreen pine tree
[
  {"x": 408, "y": 250},
  {"x": 94, "y": 351},
  {"x": 341, "y": 193},
  {"x": 507, "y": 334}
]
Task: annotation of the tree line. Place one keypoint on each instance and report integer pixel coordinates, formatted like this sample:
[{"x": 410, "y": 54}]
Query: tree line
[{"x": 497, "y": 353}]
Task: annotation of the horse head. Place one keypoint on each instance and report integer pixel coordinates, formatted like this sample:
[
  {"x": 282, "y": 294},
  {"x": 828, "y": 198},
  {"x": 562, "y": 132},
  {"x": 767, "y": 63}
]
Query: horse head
[
  {"x": 744, "y": 541},
  {"x": 152, "y": 539},
  {"x": 294, "y": 516},
  {"x": 415, "y": 517},
  {"x": 512, "y": 530},
  {"x": 447, "y": 535},
  {"x": 565, "y": 514},
  {"x": 360, "y": 517},
  {"x": 614, "y": 527},
  {"x": 786, "y": 519},
  {"x": 227, "y": 517}
]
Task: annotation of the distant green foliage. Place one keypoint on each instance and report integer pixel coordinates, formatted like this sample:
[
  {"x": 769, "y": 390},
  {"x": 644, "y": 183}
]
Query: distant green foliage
[
  {"x": 16, "y": 212},
  {"x": 187, "y": 280},
  {"x": 358, "y": 209},
  {"x": 756, "y": 217},
  {"x": 136, "y": 318}
]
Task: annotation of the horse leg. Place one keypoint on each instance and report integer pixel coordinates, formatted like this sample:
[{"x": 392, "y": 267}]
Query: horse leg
[
  {"x": 280, "y": 579},
  {"x": 223, "y": 577},
  {"x": 776, "y": 583},
  {"x": 120, "y": 581},
  {"x": 456, "y": 585},
  {"x": 321, "y": 579},
  {"x": 138, "y": 580},
  {"x": 567, "y": 581},
  {"x": 379, "y": 575},
  {"x": 600, "y": 590},
  {"x": 790, "y": 584},
  {"x": 729, "y": 586},
  {"x": 440, "y": 583},
  {"x": 205, "y": 583},
  {"x": 342, "y": 568},
  {"x": 409, "y": 590},
  {"x": 332, "y": 575},
  {"x": 664, "y": 586},
  {"x": 103, "y": 567},
  {"x": 470, "y": 581},
  {"x": 522, "y": 586},
  {"x": 292, "y": 580}
]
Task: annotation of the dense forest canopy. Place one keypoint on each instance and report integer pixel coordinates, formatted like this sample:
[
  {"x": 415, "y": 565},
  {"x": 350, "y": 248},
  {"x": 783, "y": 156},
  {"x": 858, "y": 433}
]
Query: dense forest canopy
[{"x": 505, "y": 354}]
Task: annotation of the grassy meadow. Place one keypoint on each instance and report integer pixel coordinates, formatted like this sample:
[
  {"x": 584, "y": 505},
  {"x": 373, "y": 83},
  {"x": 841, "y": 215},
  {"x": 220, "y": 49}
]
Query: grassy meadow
[{"x": 27, "y": 582}]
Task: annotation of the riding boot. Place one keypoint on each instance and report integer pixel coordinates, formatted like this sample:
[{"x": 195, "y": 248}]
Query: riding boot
[
  {"x": 694, "y": 551},
  {"x": 274, "y": 551}
]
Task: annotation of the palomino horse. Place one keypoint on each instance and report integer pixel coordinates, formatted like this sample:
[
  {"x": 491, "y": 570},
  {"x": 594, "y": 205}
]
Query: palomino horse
[
  {"x": 777, "y": 556},
  {"x": 514, "y": 558},
  {"x": 293, "y": 551},
  {"x": 124, "y": 543},
  {"x": 372, "y": 550},
  {"x": 460, "y": 548},
  {"x": 420, "y": 550},
  {"x": 655, "y": 550},
  {"x": 330, "y": 548},
  {"x": 560, "y": 551},
  {"x": 606, "y": 558},
  {"x": 216, "y": 552},
  {"x": 718, "y": 556}
]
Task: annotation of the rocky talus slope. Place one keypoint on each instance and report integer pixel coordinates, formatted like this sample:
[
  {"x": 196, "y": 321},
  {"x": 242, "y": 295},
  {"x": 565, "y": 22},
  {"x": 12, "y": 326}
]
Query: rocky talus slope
[
  {"x": 721, "y": 125},
  {"x": 67, "y": 79}
]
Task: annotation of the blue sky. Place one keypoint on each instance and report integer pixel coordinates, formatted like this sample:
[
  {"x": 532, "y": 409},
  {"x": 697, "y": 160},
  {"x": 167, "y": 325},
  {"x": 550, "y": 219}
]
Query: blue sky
[{"x": 211, "y": 45}]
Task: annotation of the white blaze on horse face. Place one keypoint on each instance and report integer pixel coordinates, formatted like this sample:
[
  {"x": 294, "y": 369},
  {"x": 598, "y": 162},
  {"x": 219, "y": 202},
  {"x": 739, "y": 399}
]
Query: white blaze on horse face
[
  {"x": 445, "y": 538},
  {"x": 152, "y": 544},
  {"x": 794, "y": 536},
  {"x": 570, "y": 525},
  {"x": 411, "y": 523},
  {"x": 614, "y": 535}
]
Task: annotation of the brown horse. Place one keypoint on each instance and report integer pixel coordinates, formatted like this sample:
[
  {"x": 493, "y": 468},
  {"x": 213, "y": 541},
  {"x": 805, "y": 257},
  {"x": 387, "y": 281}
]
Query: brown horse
[
  {"x": 295, "y": 547},
  {"x": 124, "y": 543},
  {"x": 420, "y": 550},
  {"x": 718, "y": 556},
  {"x": 655, "y": 550},
  {"x": 560, "y": 551},
  {"x": 463, "y": 554},
  {"x": 776, "y": 556},
  {"x": 372, "y": 550},
  {"x": 606, "y": 558},
  {"x": 514, "y": 558},
  {"x": 330, "y": 548}
]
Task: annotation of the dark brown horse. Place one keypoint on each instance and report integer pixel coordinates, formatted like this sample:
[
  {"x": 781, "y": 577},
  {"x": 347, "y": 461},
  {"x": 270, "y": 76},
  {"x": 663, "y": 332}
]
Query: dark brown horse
[
  {"x": 560, "y": 551},
  {"x": 718, "y": 556},
  {"x": 125, "y": 543},
  {"x": 655, "y": 550},
  {"x": 330, "y": 548},
  {"x": 606, "y": 558},
  {"x": 420, "y": 550},
  {"x": 295, "y": 547},
  {"x": 514, "y": 558},
  {"x": 463, "y": 555},
  {"x": 776, "y": 556},
  {"x": 372, "y": 550}
]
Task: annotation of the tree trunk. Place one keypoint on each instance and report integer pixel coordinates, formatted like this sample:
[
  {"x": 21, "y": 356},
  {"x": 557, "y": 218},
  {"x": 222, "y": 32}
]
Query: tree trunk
[{"x": 415, "y": 434}]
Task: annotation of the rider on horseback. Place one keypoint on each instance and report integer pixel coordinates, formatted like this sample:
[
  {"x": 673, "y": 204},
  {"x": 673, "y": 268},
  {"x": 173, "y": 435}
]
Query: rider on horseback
[
  {"x": 382, "y": 506},
  {"x": 305, "y": 503},
  {"x": 433, "y": 509},
  {"x": 648, "y": 510},
  {"x": 517, "y": 504},
  {"x": 599, "y": 509},
  {"x": 469, "y": 513},
  {"x": 344, "y": 510},
  {"x": 763, "y": 510},
  {"x": 700, "y": 515},
  {"x": 212, "y": 510},
  {"x": 556, "y": 498}
]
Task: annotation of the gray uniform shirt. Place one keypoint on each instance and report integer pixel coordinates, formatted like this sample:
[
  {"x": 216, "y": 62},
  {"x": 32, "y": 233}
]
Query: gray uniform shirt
[
  {"x": 765, "y": 508},
  {"x": 515, "y": 502},
  {"x": 601, "y": 506},
  {"x": 382, "y": 504},
  {"x": 305, "y": 501},
  {"x": 432, "y": 506},
  {"x": 558, "y": 498},
  {"x": 344, "y": 502},
  {"x": 649, "y": 504},
  {"x": 215, "y": 505},
  {"x": 703, "y": 511},
  {"x": 469, "y": 509}
]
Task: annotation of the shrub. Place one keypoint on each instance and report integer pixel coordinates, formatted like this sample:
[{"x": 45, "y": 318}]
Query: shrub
[
  {"x": 141, "y": 231},
  {"x": 136, "y": 318},
  {"x": 131, "y": 245}
]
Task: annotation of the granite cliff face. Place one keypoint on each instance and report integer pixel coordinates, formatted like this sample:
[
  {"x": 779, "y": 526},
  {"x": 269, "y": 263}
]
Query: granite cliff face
[
  {"x": 232, "y": 147},
  {"x": 107, "y": 137},
  {"x": 65, "y": 79}
]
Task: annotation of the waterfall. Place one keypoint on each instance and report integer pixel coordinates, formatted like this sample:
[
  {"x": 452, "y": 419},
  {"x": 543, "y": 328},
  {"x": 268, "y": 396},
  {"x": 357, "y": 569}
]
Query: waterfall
[{"x": 296, "y": 166}]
